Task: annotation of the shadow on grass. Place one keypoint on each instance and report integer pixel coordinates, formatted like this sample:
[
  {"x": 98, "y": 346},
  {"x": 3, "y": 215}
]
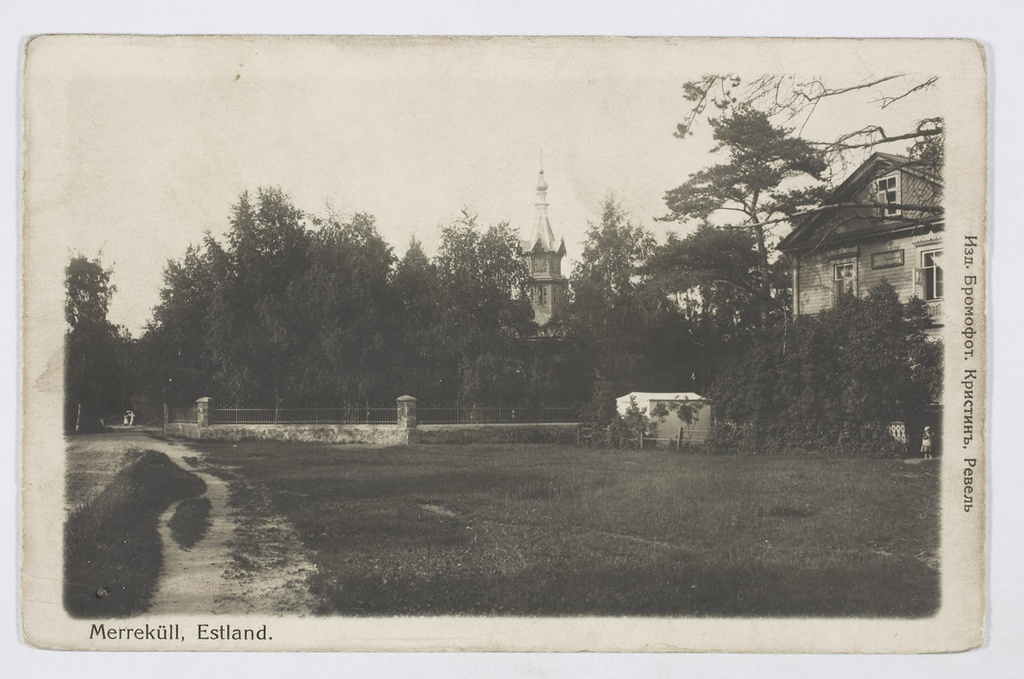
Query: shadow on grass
[
  {"x": 112, "y": 554},
  {"x": 191, "y": 520}
]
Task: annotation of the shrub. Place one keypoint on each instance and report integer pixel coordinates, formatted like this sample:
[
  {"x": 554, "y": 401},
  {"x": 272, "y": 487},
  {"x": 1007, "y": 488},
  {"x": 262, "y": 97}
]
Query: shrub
[
  {"x": 610, "y": 429},
  {"x": 831, "y": 383}
]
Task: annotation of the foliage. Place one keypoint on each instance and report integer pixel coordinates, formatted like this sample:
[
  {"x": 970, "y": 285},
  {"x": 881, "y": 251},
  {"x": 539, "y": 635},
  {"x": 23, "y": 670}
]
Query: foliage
[
  {"x": 608, "y": 427},
  {"x": 345, "y": 315},
  {"x": 175, "y": 365},
  {"x": 423, "y": 366},
  {"x": 711, "y": 277},
  {"x": 299, "y": 309},
  {"x": 627, "y": 429},
  {"x": 756, "y": 182},
  {"x": 483, "y": 284},
  {"x": 95, "y": 379},
  {"x": 831, "y": 383},
  {"x": 252, "y": 330},
  {"x": 629, "y": 330}
]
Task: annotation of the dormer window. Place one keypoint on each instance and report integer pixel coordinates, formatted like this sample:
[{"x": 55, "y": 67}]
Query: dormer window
[
  {"x": 540, "y": 264},
  {"x": 887, "y": 192}
]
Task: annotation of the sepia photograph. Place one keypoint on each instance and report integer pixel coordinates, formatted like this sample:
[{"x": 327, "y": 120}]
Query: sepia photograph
[{"x": 504, "y": 344}]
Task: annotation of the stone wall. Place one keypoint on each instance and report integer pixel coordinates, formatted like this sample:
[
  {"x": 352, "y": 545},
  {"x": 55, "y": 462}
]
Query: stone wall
[
  {"x": 182, "y": 430},
  {"x": 407, "y": 430},
  {"x": 365, "y": 434}
]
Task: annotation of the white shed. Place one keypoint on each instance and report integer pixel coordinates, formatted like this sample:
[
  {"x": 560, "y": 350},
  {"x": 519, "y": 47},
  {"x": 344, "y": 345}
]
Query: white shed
[{"x": 682, "y": 414}]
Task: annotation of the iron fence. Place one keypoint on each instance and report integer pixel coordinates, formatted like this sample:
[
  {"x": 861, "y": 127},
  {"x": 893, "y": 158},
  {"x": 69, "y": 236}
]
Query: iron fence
[
  {"x": 458, "y": 413},
  {"x": 308, "y": 415}
]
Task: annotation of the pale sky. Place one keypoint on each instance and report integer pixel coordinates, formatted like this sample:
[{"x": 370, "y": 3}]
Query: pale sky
[{"x": 144, "y": 144}]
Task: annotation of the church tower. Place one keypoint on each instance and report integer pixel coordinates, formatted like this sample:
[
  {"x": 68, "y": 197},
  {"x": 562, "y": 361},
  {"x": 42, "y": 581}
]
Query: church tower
[{"x": 543, "y": 258}]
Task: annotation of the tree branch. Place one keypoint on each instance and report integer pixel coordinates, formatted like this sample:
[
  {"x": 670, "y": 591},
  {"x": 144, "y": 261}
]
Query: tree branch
[
  {"x": 913, "y": 207},
  {"x": 841, "y": 142},
  {"x": 889, "y": 101}
]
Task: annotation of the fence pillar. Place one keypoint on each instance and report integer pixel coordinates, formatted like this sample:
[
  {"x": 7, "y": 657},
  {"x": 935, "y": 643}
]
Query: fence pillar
[
  {"x": 406, "y": 412},
  {"x": 203, "y": 406}
]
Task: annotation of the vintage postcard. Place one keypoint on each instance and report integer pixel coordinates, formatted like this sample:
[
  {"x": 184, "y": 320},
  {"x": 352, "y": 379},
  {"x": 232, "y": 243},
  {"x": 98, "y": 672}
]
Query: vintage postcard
[{"x": 504, "y": 344}]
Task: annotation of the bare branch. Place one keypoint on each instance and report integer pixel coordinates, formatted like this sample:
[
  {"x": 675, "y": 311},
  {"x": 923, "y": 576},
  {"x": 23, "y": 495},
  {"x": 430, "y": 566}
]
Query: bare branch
[
  {"x": 889, "y": 101},
  {"x": 913, "y": 207}
]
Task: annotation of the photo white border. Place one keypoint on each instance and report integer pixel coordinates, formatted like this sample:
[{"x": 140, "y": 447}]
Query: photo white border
[{"x": 1005, "y": 65}]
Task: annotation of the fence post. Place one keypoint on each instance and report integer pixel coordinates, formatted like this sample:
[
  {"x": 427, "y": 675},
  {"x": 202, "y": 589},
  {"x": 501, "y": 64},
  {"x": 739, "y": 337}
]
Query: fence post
[
  {"x": 203, "y": 406},
  {"x": 406, "y": 412}
]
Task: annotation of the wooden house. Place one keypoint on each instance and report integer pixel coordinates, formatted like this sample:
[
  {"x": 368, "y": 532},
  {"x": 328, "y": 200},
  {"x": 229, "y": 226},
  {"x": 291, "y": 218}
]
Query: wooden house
[{"x": 884, "y": 222}]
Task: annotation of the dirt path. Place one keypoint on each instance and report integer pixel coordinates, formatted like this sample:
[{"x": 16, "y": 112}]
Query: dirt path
[{"x": 218, "y": 574}]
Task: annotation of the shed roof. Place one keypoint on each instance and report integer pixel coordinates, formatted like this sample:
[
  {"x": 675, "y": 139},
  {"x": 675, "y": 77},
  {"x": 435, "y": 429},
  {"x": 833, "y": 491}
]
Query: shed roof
[{"x": 642, "y": 396}]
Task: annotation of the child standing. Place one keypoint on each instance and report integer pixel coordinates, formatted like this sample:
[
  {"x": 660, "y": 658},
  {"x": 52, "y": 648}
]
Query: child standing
[{"x": 926, "y": 443}]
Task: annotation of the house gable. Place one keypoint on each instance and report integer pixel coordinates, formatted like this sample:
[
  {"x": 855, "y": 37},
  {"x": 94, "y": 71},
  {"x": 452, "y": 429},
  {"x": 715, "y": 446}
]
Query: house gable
[
  {"x": 884, "y": 222},
  {"x": 918, "y": 205}
]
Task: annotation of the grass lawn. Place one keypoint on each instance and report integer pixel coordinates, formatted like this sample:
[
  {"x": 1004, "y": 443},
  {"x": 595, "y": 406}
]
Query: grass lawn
[{"x": 556, "y": 530}]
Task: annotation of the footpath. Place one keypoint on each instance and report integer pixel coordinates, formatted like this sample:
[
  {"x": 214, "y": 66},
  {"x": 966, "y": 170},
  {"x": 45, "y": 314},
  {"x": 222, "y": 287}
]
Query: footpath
[{"x": 222, "y": 573}]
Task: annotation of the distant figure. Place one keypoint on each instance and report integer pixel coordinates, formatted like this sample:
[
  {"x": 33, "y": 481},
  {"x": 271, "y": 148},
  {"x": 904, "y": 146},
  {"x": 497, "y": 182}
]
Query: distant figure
[
  {"x": 926, "y": 443},
  {"x": 129, "y": 418}
]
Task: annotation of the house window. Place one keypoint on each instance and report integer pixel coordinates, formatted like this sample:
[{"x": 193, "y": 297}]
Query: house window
[
  {"x": 931, "y": 274},
  {"x": 540, "y": 264},
  {"x": 887, "y": 192},
  {"x": 542, "y": 295},
  {"x": 844, "y": 277}
]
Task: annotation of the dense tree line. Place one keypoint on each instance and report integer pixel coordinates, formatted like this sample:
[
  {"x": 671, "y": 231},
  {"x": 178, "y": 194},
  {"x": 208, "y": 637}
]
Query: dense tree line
[
  {"x": 97, "y": 356},
  {"x": 296, "y": 309}
]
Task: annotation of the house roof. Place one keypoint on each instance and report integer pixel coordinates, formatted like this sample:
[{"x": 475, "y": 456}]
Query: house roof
[{"x": 878, "y": 162}]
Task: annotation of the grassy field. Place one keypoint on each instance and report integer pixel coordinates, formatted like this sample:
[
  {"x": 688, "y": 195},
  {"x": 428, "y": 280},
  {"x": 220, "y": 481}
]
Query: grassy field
[{"x": 549, "y": 530}]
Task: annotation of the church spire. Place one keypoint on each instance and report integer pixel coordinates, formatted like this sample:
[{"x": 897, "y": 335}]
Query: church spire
[
  {"x": 542, "y": 189},
  {"x": 543, "y": 256},
  {"x": 542, "y": 232}
]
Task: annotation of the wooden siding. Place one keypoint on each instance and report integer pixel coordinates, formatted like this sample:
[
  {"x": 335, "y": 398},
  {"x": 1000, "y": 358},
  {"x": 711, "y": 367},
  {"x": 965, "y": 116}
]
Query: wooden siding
[
  {"x": 814, "y": 274},
  {"x": 840, "y": 239}
]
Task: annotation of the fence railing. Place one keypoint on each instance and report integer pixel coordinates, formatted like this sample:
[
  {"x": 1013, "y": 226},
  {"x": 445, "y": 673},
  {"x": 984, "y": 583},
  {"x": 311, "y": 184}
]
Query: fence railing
[
  {"x": 457, "y": 413},
  {"x": 309, "y": 415}
]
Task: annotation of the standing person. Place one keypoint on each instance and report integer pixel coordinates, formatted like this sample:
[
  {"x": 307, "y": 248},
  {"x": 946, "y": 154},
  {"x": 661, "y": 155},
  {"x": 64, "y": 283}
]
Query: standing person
[{"x": 926, "y": 443}]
